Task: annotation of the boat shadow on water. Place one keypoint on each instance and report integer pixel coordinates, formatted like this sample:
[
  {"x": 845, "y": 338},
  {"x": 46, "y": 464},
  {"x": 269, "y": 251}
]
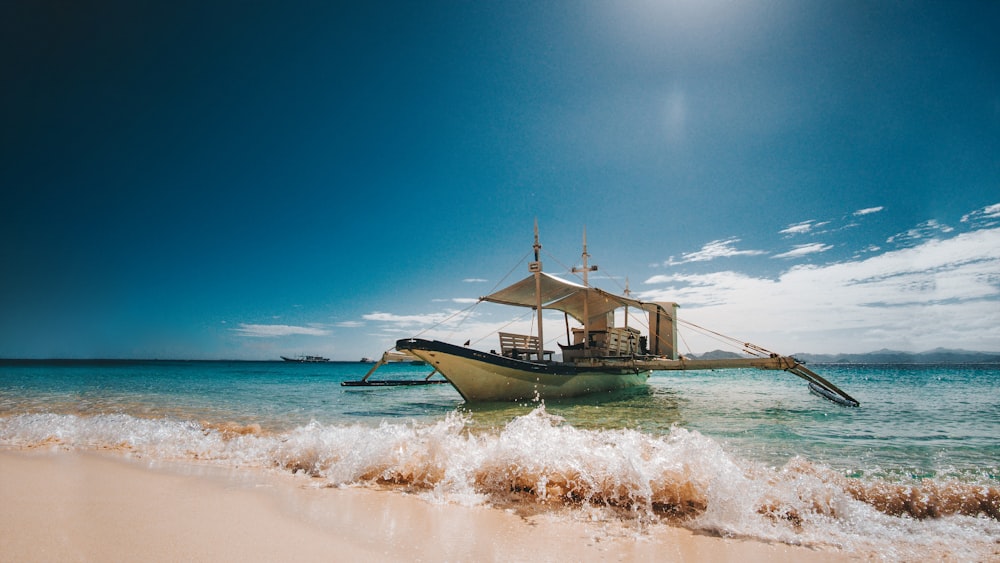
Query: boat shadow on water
[
  {"x": 603, "y": 399},
  {"x": 619, "y": 409}
]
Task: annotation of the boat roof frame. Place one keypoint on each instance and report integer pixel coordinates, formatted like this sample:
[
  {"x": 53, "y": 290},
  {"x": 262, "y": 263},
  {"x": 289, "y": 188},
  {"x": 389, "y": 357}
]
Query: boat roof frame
[{"x": 566, "y": 296}]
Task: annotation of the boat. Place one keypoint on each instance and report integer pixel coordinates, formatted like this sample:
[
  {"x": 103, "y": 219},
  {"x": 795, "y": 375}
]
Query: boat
[
  {"x": 306, "y": 359},
  {"x": 598, "y": 356}
]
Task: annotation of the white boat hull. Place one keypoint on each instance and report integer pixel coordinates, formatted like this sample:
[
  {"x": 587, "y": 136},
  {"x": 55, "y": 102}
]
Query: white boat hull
[{"x": 479, "y": 376}]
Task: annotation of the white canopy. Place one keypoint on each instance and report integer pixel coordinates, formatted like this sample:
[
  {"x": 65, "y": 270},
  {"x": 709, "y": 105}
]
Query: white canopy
[{"x": 565, "y": 296}]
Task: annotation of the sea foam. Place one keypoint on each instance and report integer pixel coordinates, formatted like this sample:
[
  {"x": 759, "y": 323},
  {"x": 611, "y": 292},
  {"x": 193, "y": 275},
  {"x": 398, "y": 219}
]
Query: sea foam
[{"x": 539, "y": 462}]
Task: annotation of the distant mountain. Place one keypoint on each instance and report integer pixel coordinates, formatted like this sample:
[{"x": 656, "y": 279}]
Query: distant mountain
[
  {"x": 715, "y": 355},
  {"x": 936, "y": 356}
]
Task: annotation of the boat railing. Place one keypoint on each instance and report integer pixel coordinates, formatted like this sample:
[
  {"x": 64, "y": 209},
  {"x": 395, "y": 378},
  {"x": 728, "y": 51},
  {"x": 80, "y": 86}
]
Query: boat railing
[
  {"x": 614, "y": 341},
  {"x": 521, "y": 346}
]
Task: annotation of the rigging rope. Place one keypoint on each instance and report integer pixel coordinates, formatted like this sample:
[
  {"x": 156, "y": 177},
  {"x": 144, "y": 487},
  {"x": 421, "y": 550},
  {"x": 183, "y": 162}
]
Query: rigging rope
[
  {"x": 468, "y": 310},
  {"x": 449, "y": 317},
  {"x": 748, "y": 347},
  {"x": 735, "y": 343},
  {"x": 507, "y": 275}
]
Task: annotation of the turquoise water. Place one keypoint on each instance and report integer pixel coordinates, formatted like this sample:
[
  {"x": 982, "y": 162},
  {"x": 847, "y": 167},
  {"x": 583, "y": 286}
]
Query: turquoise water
[{"x": 735, "y": 452}]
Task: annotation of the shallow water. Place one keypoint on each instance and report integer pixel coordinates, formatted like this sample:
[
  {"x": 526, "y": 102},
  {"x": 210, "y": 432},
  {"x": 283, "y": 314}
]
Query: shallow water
[{"x": 748, "y": 453}]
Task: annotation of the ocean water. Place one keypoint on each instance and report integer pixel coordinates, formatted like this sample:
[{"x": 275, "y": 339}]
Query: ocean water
[{"x": 913, "y": 473}]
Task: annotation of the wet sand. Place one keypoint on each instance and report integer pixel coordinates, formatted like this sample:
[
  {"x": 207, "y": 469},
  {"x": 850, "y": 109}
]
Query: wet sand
[{"x": 101, "y": 507}]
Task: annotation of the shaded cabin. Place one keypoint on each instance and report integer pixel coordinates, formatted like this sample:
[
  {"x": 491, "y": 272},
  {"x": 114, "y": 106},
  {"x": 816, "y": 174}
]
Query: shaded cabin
[{"x": 594, "y": 309}]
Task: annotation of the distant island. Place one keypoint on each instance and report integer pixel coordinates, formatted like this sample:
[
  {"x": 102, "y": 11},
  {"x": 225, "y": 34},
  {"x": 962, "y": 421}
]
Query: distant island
[{"x": 936, "y": 356}]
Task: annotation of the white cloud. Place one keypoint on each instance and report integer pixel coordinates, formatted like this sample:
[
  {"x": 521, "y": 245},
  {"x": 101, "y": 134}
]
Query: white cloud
[
  {"x": 273, "y": 331},
  {"x": 350, "y": 324},
  {"x": 408, "y": 320},
  {"x": 700, "y": 290},
  {"x": 798, "y": 228},
  {"x": 868, "y": 211},
  {"x": 938, "y": 293},
  {"x": 459, "y": 300},
  {"x": 800, "y": 250},
  {"x": 871, "y": 248},
  {"x": 985, "y": 217},
  {"x": 715, "y": 249},
  {"x": 474, "y": 280},
  {"x": 925, "y": 230}
]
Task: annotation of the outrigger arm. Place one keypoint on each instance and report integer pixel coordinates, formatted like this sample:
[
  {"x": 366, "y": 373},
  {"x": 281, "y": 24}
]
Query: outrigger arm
[
  {"x": 817, "y": 384},
  {"x": 364, "y": 382}
]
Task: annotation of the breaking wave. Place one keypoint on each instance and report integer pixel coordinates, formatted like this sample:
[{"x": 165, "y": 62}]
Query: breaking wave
[{"x": 537, "y": 462}]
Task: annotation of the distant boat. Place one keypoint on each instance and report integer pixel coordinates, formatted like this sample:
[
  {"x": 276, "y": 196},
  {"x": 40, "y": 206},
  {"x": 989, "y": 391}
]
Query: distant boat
[
  {"x": 306, "y": 359},
  {"x": 599, "y": 357}
]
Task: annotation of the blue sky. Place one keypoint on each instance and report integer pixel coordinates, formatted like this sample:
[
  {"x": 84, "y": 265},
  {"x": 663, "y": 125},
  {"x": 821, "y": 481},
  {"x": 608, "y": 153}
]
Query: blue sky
[{"x": 243, "y": 180}]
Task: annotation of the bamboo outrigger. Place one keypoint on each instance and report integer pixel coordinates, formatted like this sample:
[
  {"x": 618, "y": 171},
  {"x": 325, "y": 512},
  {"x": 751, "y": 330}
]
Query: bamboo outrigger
[{"x": 386, "y": 358}]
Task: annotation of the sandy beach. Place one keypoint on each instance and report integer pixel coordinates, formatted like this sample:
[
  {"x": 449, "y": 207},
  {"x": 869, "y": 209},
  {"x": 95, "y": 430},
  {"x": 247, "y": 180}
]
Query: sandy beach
[{"x": 102, "y": 507}]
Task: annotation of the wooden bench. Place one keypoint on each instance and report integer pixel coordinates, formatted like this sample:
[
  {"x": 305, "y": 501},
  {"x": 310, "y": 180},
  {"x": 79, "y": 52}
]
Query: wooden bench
[{"x": 521, "y": 346}]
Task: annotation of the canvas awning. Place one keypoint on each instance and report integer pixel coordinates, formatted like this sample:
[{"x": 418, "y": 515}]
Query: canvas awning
[{"x": 565, "y": 296}]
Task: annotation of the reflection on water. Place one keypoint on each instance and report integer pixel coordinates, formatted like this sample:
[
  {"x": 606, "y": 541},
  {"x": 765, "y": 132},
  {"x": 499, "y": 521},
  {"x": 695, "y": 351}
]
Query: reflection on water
[{"x": 638, "y": 408}]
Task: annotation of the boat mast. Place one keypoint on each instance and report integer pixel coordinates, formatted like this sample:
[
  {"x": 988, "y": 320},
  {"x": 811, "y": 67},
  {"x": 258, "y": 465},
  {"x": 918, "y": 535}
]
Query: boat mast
[
  {"x": 586, "y": 313},
  {"x": 536, "y": 268},
  {"x": 629, "y": 295}
]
